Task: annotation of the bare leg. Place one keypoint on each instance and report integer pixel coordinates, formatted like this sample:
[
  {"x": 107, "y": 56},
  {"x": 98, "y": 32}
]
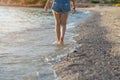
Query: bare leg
[
  {"x": 63, "y": 27},
  {"x": 57, "y": 17}
]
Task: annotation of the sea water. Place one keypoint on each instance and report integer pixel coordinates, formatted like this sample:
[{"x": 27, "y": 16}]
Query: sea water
[{"x": 26, "y": 37}]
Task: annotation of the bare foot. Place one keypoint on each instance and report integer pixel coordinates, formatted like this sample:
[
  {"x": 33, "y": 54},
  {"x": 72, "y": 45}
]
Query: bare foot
[
  {"x": 56, "y": 42},
  {"x": 61, "y": 41}
]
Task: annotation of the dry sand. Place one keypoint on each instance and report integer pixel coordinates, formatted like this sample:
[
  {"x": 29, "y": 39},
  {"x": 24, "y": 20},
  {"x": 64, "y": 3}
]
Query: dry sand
[{"x": 97, "y": 56}]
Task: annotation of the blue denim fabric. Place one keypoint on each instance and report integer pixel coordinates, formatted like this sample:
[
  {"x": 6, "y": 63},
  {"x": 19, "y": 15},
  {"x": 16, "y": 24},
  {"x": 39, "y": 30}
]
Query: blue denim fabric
[{"x": 62, "y": 6}]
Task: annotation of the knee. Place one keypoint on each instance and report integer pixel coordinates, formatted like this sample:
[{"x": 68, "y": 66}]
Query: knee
[
  {"x": 57, "y": 24},
  {"x": 63, "y": 23}
]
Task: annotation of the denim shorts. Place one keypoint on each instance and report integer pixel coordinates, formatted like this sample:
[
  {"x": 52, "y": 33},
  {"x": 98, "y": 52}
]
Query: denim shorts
[{"x": 62, "y": 6}]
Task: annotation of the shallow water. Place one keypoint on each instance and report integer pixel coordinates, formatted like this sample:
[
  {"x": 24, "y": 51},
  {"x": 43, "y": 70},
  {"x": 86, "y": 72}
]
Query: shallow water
[{"x": 26, "y": 36}]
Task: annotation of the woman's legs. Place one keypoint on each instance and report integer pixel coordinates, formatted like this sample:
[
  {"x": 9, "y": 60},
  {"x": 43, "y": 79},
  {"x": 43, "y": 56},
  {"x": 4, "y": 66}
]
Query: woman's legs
[
  {"x": 57, "y": 17},
  {"x": 63, "y": 26},
  {"x": 60, "y": 26}
]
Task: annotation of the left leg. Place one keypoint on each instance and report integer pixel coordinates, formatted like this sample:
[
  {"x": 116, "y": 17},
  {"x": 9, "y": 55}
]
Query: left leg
[
  {"x": 63, "y": 26},
  {"x": 57, "y": 17}
]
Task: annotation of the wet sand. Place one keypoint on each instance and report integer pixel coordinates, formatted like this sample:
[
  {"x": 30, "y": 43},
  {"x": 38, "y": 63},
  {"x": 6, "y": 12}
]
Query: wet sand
[{"x": 97, "y": 54}]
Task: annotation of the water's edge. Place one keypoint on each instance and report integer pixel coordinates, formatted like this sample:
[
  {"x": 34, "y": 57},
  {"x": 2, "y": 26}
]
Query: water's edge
[
  {"x": 71, "y": 49},
  {"x": 26, "y": 36}
]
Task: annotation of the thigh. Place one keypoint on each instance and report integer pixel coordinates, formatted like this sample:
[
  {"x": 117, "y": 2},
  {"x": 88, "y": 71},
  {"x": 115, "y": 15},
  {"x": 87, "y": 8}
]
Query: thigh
[
  {"x": 57, "y": 17},
  {"x": 64, "y": 18}
]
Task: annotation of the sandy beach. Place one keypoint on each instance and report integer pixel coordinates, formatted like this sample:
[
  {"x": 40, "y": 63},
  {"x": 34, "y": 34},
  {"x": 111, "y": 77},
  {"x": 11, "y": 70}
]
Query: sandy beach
[{"x": 97, "y": 54}]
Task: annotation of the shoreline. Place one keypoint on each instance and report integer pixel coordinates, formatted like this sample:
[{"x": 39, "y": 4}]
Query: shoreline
[
  {"x": 29, "y": 6},
  {"x": 97, "y": 55},
  {"x": 23, "y": 5}
]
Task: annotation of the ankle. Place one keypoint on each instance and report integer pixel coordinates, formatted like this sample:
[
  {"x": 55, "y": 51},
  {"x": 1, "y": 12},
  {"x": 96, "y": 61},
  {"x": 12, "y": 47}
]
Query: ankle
[{"x": 61, "y": 39}]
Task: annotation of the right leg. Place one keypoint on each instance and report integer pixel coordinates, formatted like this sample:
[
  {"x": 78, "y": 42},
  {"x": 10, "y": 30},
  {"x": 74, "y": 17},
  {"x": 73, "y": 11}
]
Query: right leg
[
  {"x": 63, "y": 26},
  {"x": 57, "y": 17}
]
